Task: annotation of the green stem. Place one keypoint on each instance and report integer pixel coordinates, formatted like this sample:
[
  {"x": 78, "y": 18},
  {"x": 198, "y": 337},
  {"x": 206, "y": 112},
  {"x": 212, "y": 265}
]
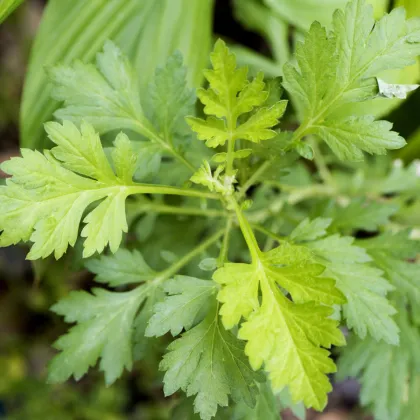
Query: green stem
[
  {"x": 229, "y": 157},
  {"x": 320, "y": 164},
  {"x": 152, "y": 136},
  {"x": 167, "y": 190},
  {"x": 231, "y": 126},
  {"x": 247, "y": 232},
  {"x": 267, "y": 232},
  {"x": 223, "y": 256},
  {"x": 174, "y": 268},
  {"x": 188, "y": 211},
  {"x": 253, "y": 178}
]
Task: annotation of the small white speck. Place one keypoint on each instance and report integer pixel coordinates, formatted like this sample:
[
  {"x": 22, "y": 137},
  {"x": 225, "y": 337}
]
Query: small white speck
[
  {"x": 417, "y": 167},
  {"x": 415, "y": 234},
  {"x": 398, "y": 163},
  {"x": 229, "y": 180}
]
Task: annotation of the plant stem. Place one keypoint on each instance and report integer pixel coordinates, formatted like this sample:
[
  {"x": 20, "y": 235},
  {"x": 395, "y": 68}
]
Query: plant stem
[
  {"x": 231, "y": 126},
  {"x": 167, "y": 190},
  {"x": 152, "y": 136},
  {"x": 267, "y": 232},
  {"x": 223, "y": 256},
  {"x": 188, "y": 211},
  {"x": 175, "y": 267},
  {"x": 253, "y": 178},
  {"x": 229, "y": 157},
  {"x": 322, "y": 167},
  {"x": 247, "y": 232}
]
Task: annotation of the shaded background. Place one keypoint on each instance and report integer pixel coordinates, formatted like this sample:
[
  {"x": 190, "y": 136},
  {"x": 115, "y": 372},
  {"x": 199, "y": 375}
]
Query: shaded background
[{"x": 27, "y": 290}]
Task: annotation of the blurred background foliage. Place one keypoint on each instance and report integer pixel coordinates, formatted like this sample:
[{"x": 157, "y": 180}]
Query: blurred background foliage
[{"x": 35, "y": 34}]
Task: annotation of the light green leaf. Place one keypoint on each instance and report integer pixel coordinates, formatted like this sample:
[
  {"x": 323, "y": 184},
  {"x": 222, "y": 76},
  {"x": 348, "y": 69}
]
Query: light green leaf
[
  {"x": 149, "y": 157},
  {"x": 361, "y": 214},
  {"x": 258, "y": 126},
  {"x": 123, "y": 267},
  {"x": 239, "y": 154},
  {"x": 390, "y": 253},
  {"x": 208, "y": 264},
  {"x": 124, "y": 158},
  {"x": 251, "y": 96},
  {"x": 367, "y": 308},
  {"x": 305, "y": 150},
  {"x": 343, "y": 61},
  {"x": 45, "y": 199},
  {"x": 170, "y": 97},
  {"x": 308, "y": 230},
  {"x": 280, "y": 333},
  {"x": 80, "y": 151},
  {"x": 211, "y": 129},
  {"x": 107, "y": 96},
  {"x": 339, "y": 248},
  {"x": 187, "y": 297},
  {"x": 230, "y": 96},
  {"x": 400, "y": 178},
  {"x": 317, "y": 66},
  {"x": 104, "y": 330},
  {"x": 292, "y": 335},
  {"x": 398, "y": 245},
  {"x": 208, "y": 361},
  {"x": 348, "y": 137},
  {"x": 226, "y": 81},
  {"x": 239, "y": 297}
]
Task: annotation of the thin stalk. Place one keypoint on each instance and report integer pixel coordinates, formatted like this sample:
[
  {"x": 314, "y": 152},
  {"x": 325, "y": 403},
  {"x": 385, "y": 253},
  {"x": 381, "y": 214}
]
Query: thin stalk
[
  {"x": 223, "y": 256},
  {"x": 231, "y": 126},
  {"x": 229, "y": 157},
  {"x": 267, "y": 232},
  {"x": 167, "y": 190},
  {"x": 175, "y": 267},
  {"x": 320, "y": 164},
  {"x": 188, "y": 211},
  {"x": 165, "y": 146},
  {"x": 253, "y": 179},
  {"x": 247, "y": 232}
]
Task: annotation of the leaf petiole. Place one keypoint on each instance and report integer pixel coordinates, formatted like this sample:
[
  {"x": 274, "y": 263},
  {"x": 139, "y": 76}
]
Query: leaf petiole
[
  {"x": 267, "y": 232},
  {"x": 154, "y": 137},
  {"x": 175, "y": 267},
  {"x": 187, "y": 211}
]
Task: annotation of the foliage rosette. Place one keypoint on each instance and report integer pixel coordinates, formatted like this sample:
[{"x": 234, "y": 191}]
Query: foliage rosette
[{"x": 213, "y": 225}]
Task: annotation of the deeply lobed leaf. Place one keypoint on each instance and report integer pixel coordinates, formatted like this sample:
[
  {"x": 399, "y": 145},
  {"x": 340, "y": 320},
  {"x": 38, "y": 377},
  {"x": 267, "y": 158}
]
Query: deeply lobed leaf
[
  {"x": 209, "y": 362},
  {"x": 106, "y": 96},
  {"x": 231, "y": 96},
  {"x": 286, "y": 336},
  {"x": 104, "y": 330},
  {"x": 46, "y": 198},
  {"x": 337, "y": 68}
]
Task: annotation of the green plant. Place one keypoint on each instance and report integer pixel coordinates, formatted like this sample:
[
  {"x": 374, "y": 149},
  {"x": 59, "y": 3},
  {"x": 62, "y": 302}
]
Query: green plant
[{"x": 278, "y": 217}]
